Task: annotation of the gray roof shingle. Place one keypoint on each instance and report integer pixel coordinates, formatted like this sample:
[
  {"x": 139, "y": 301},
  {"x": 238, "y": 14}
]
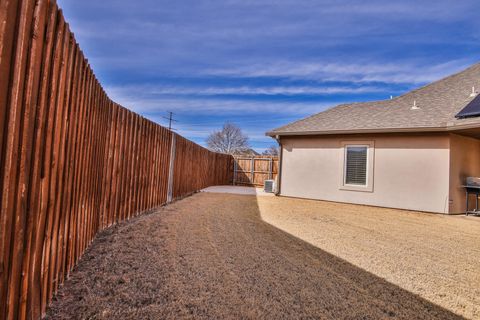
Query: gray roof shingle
[{"x": 438, "y": 104}]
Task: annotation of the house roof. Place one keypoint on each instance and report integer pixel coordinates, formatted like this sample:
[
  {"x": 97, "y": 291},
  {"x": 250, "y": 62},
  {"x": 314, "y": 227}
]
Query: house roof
[{"x": 438, "y": 103}]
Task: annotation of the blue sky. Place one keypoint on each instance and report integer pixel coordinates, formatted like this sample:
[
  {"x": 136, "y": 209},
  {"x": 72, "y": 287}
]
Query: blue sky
[{"x": 261, "y": 64}]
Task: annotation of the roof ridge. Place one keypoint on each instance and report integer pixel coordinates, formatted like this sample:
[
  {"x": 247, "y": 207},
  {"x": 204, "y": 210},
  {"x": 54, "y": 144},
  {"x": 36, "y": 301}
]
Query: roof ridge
[
  {"x": 444, "y": 97},
  {"x": 437, "y": 81},
  {"x": 341, "y": 105}
]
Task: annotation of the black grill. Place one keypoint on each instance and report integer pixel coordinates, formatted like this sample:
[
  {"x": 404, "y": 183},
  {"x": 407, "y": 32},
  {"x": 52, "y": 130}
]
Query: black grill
[
  {"x": 473, "y": 182},
  {"x": 472, "y": 187}
]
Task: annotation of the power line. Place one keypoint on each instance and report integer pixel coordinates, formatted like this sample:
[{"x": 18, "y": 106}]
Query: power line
[
  {"x": 239, "y": 121},
  {"x": 170, "y": 120}
]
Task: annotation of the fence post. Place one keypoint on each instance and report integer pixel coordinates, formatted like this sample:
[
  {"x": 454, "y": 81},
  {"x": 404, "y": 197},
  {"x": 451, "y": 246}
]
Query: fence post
[
  {"x": 171, "y": 170},
  {"x": 235, "y": 171},
  {"x": 270, "y": 169},
  {"x": 253, "y": 170}
]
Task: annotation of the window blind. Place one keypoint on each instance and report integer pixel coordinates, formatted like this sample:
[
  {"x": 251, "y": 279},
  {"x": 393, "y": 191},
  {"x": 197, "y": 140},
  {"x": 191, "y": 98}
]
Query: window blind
[{"x": 356, "y": 166}]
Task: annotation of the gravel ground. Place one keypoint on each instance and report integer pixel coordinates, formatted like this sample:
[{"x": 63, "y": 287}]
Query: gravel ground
[
  {"x": 434, "y": 256},
  {"x": 211, "y": 256}
]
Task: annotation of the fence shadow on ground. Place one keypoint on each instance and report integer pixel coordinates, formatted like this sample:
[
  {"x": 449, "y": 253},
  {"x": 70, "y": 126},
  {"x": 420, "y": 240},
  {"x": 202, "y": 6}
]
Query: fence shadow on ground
[{"x": 212, "y": 256}]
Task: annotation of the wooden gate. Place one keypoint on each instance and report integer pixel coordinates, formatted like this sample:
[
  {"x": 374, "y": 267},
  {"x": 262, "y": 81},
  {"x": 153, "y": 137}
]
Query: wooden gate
[{"x": 253, "y": 171}]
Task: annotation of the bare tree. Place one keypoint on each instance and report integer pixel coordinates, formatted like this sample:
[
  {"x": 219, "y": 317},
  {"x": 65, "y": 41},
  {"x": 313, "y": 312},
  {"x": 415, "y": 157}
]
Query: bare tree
[
  {"x": 230, "y": 140},
  {"x": 272, "y": 151}
]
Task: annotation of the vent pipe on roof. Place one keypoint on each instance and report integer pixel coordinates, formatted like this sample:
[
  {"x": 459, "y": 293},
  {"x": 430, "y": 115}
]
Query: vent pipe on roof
[
  {"x": 473, "y": 94},
  {"x": 415, "y": 107},
  {"x": 391, "y": 97}
]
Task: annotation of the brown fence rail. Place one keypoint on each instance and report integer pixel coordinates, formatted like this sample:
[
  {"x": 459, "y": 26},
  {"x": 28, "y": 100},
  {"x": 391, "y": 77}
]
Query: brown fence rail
[
  {"x": 253, "y": 171},
  {"x": 72, "y": 161}
]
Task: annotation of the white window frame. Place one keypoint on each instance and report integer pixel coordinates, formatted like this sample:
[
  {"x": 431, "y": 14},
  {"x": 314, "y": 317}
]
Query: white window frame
[
  {"x": 368, "y": 187},
  {"x": 345, "y": 163}
]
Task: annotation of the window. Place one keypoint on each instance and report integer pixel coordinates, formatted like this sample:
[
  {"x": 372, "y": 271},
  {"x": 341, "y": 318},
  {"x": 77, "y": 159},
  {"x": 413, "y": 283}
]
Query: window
[{"x": 356, "y": 158}]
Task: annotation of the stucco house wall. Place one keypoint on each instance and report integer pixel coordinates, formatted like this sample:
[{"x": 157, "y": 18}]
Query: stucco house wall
[
  {"x": 409, "y": 171},
  {"x": 464, "y": 162}
]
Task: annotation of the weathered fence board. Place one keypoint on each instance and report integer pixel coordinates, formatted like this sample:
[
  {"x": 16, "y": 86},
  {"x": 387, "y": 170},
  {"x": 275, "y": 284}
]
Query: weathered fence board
[
  {"x": 72, "y": 161},
  {"x": 253, "y": 171}
]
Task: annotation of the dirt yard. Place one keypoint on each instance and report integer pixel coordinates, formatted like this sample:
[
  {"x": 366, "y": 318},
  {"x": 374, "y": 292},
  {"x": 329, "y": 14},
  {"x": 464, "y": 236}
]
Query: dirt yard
[
  {"x": 434, "y": 256},
  {"x": 211, "y": 256}
]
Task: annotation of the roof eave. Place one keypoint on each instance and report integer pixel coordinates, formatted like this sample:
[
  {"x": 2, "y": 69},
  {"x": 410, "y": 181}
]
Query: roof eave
[
  {"x": 356, "y": 131},
  {"x": 448, "y": 128}
]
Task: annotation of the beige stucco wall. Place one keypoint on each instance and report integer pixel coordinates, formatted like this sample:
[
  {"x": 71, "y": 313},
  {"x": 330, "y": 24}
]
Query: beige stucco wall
[
  {"x": 464, "y": 162},
  {"x": 410, "y": 171}
]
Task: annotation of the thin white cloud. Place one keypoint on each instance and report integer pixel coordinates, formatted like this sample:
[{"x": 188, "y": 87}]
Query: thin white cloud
[
  {"x": 393, "y": 73},
  {"x": 398, "y": 44},
  {"x": 195, "y": 105},
  {"x": 150, "y": 99},
  {"x": 153, "y": 89}
]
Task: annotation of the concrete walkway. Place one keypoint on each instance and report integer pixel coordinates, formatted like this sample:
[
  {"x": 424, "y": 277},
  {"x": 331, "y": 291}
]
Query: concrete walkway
[{"x": 238, "y": 190}]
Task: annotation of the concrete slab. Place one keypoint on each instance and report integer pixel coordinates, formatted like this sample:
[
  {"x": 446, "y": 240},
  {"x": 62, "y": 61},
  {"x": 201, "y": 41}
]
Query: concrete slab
[{"x": 238, "y": 190}]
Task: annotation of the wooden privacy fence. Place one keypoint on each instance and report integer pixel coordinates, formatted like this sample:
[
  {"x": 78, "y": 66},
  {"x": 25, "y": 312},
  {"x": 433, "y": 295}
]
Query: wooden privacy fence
[
  {"x": 72, "y": 161},
  {"x": 253, "y": 171}
]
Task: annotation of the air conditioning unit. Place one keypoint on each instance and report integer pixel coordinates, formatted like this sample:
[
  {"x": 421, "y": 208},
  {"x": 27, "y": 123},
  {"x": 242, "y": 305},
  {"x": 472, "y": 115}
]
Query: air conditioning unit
[{"x": 269, "y": 186}]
